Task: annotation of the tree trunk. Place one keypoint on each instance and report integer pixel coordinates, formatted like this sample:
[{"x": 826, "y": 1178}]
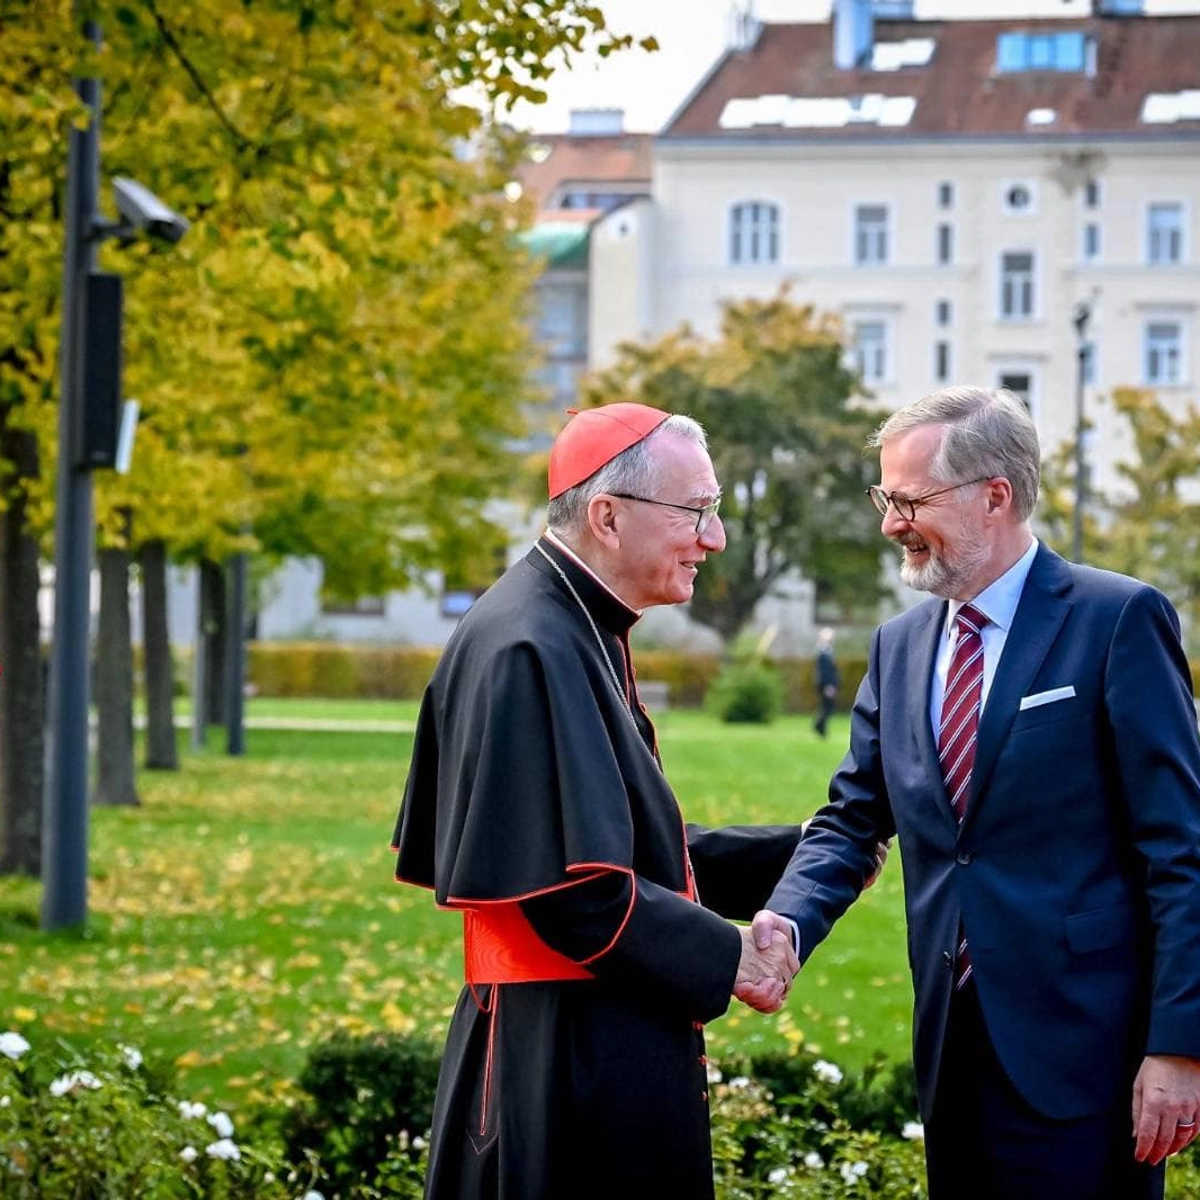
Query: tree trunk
[
  {"x": 212, "y": 597},
  {"x": 162, "y": 753},
  {"x": 22, "y": 686},
  {"x": 114, "y": 680}
]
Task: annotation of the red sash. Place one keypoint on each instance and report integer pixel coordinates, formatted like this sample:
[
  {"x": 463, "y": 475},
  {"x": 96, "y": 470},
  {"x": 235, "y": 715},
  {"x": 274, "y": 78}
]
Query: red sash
[{"x": 500, "y": 946}]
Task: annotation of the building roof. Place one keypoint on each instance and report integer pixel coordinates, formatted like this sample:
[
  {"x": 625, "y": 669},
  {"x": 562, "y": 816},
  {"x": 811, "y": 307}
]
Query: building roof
[
  {"x": 564, "y": 159},
  {"x": 1141, "y": 77}
]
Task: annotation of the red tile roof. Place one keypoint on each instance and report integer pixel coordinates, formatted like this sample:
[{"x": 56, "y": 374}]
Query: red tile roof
[
  {"x": 621, "y": 158},
  {"x": 960, "y": 92}
]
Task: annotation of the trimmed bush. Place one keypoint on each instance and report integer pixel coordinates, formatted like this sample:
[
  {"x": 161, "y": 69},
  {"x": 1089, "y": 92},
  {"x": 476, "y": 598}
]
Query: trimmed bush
[{"x": 369, "y": 1107}]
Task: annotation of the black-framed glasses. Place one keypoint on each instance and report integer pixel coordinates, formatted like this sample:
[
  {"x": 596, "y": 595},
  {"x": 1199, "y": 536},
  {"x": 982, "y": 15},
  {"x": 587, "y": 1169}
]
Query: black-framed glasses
[
  {"x": 906, "y": 506},
  {"x": 704, "y": 516}
]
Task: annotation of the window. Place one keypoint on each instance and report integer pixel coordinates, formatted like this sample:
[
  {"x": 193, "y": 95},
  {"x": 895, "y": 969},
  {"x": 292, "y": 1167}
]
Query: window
[
  {"x": 943, "y": 312},
  {"x": 870, "y": 234},
  {"x": 945, "y": 195},
  {"x": 1091, "y": 242},
  {"x": 1018, "y": 198},
  {"x": 754, "y": 233},
  {"x": 1020, "y": 383},
  {"x": 1016, "y": 285},
  {"x": 1164, "y": 234},
  {"x": 945, "y": 243},
  {"x": 941, "y": 362},
  {"x": 1042, "y": 52},
  {"x": 1091, "y": 194},
  {"x": 870, "y": 350},
  {"x": 1163, "y": 352}
]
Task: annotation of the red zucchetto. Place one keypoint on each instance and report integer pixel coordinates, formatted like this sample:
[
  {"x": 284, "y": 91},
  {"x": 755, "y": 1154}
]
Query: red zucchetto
[{"x": 595, "y": 436}]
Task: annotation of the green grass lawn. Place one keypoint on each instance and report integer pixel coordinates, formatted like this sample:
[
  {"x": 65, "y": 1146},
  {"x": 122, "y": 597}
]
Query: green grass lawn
[{"x": 247, "y": 908}]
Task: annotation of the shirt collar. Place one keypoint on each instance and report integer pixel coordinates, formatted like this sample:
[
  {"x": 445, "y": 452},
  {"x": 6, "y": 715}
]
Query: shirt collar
[
  {"x": 606, "y": 605},
  {"x": 998, "y": 601}
]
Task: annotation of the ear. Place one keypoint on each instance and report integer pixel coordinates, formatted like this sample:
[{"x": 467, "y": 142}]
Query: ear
[
  {"x": 602, "y": 520},
  {"x": 1000, "y": 494}
]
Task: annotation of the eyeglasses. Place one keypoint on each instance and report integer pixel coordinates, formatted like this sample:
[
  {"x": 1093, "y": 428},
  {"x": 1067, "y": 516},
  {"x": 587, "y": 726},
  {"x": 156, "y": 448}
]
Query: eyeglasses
[
  {"x": 704, "y": 516},
  {"x": 906, "y": 506}
]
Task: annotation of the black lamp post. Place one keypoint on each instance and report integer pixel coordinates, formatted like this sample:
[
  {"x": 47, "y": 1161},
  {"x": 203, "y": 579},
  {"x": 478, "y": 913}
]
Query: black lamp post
[
  {"x": 1083, "y": 314},
  {"x": 88, "y": 435}
]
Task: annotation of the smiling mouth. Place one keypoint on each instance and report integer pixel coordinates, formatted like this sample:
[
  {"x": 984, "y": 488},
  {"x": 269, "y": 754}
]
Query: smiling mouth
[{"x": 913, "y": 544}]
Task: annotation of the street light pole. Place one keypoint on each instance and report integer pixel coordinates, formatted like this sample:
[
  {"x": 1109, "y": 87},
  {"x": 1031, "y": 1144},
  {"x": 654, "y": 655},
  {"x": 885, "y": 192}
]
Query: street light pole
[
  {"x": 65, "y": 812},
  {"x": 1083, "y": 314}
]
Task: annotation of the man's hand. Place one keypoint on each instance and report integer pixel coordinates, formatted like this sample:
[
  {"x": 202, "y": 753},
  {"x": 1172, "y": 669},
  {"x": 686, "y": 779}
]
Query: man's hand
[
  {"x": 881, "y": 853},
  {"x": 1166, "y": 1106},
  {"x": 768, "y": 963}
]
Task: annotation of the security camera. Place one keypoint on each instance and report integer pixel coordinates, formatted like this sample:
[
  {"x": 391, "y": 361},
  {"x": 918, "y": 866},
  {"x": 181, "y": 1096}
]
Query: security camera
[{"x": 142, "y": 209}]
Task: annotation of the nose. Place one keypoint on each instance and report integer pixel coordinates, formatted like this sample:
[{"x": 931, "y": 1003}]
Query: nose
[
  {"x": 892, "y": 522},
  {"x": 713, "y": 537}
]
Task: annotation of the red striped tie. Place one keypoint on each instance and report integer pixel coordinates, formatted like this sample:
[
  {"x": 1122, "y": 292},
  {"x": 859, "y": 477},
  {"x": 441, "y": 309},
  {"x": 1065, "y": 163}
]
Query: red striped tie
[{"x": 958, "y": 728}]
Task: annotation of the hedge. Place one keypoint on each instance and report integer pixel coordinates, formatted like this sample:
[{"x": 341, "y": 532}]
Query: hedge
[{"x": 333, "y": 670}]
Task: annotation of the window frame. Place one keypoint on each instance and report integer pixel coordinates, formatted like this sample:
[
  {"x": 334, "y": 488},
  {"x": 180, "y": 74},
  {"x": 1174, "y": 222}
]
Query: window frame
[
  {"x": 874, "y": 235},
  {"x": 754, "y": 233}
]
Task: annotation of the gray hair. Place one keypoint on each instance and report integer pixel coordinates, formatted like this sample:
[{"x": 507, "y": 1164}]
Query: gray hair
[
  {"x": 989, "y": 432},
  {"x": 634, "y": 470}
]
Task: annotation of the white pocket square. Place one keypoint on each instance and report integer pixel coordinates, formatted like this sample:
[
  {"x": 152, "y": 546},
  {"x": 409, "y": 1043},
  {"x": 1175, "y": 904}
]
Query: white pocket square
[{"x": 1040, "y": 698}]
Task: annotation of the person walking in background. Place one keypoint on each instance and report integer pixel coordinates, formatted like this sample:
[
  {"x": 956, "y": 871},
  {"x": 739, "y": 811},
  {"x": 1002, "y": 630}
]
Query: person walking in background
[
  {"x": 536, "y": 806},
  {"x": 828, "y": 681},
  {"x": 1031, "y": 736}
]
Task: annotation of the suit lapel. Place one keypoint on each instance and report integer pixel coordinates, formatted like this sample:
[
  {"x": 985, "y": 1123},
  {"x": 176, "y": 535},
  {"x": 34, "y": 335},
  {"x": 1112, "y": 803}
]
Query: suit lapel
[{"x": 1036, "y": 623}]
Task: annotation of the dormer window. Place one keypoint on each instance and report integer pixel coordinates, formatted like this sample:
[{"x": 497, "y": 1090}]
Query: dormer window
[{"x": 1073, "y": 52}]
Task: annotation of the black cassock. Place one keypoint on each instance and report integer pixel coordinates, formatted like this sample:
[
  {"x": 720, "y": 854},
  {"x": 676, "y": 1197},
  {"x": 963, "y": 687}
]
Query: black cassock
[{"x": 535, "y": 800}]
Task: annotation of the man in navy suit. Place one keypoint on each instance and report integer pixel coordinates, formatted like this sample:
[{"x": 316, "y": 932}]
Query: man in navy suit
[{"x": 1054, "y": 919}]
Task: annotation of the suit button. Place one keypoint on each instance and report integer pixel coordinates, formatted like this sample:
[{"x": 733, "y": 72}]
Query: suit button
[
  {"x": 963, "y": 858},
  {"x": 947, "y": 959}
]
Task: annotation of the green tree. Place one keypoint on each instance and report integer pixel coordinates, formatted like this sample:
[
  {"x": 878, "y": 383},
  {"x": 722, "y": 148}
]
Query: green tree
[
  {"x": 1149, "y": 526},
  {"x": 787, "y": 439},
  {"x": 333, "y": 359}
]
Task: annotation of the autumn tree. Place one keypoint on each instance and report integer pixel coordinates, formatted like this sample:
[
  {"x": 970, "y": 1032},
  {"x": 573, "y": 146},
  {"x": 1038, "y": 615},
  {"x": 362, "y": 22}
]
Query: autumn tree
[
  {"x": 1148, "y": 525},
  {"x": 333, "y": 359},
  {"x": 786, "y": 435}
]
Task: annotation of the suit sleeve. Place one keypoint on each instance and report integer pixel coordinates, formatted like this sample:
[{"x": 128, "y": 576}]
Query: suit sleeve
[
  {"x": 737, "y": 866},
  {"x": 1148, "y": 694},
  {"x": 836, "y": 855}
]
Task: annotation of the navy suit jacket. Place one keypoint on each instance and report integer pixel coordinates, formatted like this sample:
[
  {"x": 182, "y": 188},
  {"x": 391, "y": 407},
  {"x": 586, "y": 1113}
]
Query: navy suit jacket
[{"x": 1076, "y": 871}]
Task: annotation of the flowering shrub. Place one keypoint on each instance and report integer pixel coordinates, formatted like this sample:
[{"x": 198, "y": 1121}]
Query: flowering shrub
[{"x": 104, "y": 1127}]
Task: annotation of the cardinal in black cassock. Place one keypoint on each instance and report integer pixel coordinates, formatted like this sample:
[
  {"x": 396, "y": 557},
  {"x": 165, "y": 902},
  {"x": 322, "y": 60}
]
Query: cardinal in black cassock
[{"x": 597, "y": 935}]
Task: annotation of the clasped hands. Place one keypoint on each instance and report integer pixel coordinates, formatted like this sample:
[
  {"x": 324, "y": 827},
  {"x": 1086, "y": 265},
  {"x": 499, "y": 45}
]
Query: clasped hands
[{"x": 768, "y": 963}]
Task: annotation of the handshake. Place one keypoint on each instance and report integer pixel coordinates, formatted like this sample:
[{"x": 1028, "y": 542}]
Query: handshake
[{"x": 768, "y": 963}]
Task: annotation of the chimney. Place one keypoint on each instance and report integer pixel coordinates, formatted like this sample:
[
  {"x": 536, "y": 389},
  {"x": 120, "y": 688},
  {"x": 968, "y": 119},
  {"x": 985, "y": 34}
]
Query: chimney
[
  {"x": 743, "y": 26},
  {"x": 853, "y": 33},
  {"x": 596, "y": 122}
]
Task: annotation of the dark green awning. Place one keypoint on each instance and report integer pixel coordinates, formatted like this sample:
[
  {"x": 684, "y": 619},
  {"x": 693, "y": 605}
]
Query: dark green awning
[{"x": 560, "y": 243}]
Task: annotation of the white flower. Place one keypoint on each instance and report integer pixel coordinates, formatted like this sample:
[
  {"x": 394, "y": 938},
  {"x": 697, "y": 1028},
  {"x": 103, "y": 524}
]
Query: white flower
[
  {"x": 188, "y": 1153},
  {"x": 813, "y": 1161},
  {"x": 72, "y": 1080},
  {"x": 132, "y": 1056},
  {"x": 914, "y": 1131},
  {"x": 12, "y": 1045},
  {"x": 852, "y": 1172},
  {"x": 778, "y": 1175},
  {"x": 418, "y": 1143},
  {"x": 223, "y": 1149},
  {"x": 827, "y": 1072},
  {"x": 5, "y": 1101},
  {"x": 714, "y": 1074},
  {"x": 222, "y": 1124},
  {"x": 189, "y": 1111},
  {"x": 739, "y": 1083},
  {"x": 312, "y": 1195}
]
